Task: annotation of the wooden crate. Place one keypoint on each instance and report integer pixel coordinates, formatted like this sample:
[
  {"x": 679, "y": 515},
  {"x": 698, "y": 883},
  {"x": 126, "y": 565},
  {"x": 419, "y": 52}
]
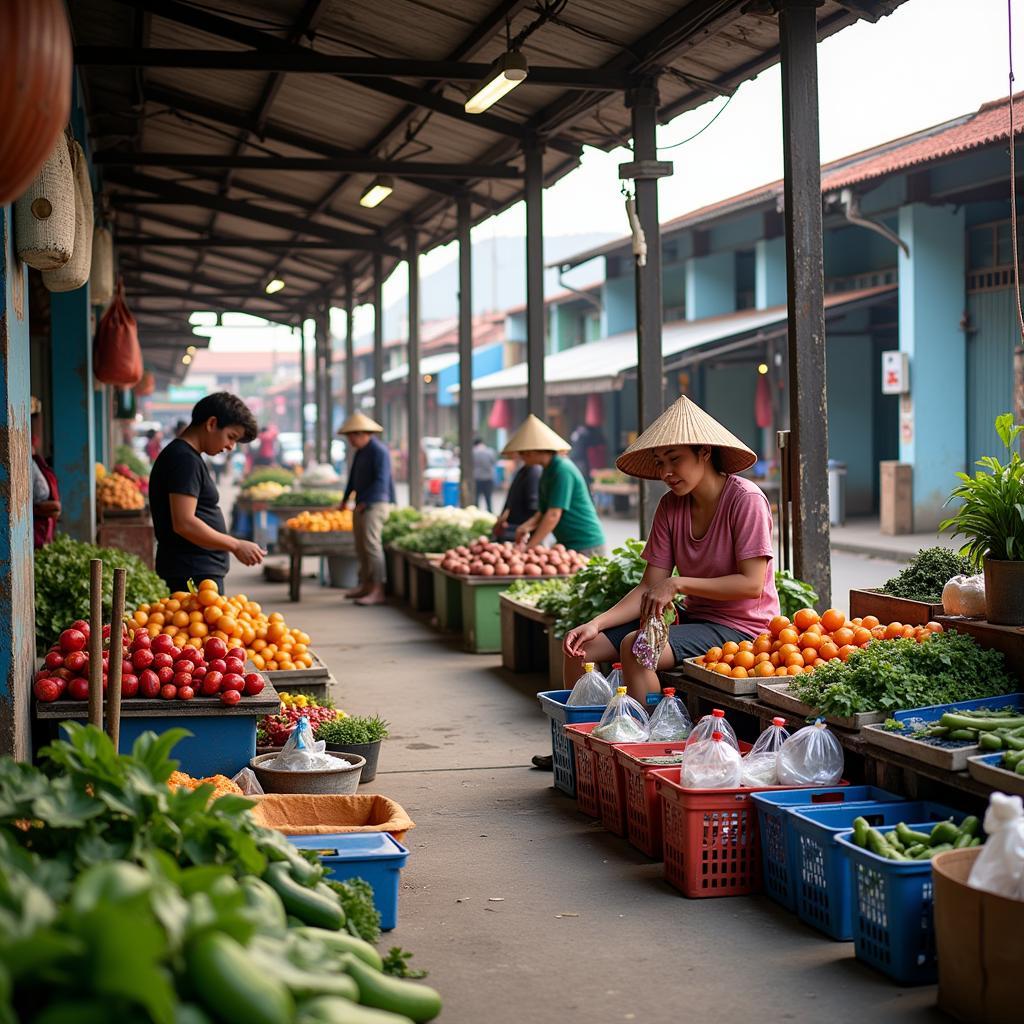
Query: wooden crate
[
  {"x": 726, "y": 684},
  {"x": 299, "y": 543},
  {"x": 398, "y": 572},
  {"x": 952, "y": 759},
  {"x": 421, "y": 580},
  {"x": 1007, "y": 639},
  {"x": 129, "y": 531},
  {"x": 528, "y": 640},
  {"x": 447, "y": 601},
  {"x": 985, "y": 771},
  {"x": 892, "y": 609},
  {"x": 776, "y": 693}
]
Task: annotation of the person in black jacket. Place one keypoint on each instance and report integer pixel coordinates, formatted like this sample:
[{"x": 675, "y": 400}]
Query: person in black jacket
[{"x": 521, "y": 502}]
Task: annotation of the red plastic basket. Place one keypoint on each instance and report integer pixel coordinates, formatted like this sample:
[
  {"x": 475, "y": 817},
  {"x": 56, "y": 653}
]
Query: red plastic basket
[
  {"x": 586, "y": 768},
  {"x": 611, "y": 789},
  {"x": 711, "y": 840},
  {"x": 643, "y": 805}
]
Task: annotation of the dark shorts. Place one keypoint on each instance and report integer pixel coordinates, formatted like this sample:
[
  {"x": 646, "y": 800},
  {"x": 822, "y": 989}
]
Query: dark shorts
[
  {"x": 180, "y": 583},
  {"x": 688, "y": 639}
]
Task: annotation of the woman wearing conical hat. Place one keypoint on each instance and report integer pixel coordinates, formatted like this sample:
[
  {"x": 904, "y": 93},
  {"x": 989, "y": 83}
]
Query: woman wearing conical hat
[{"x": 713, "y": 528}]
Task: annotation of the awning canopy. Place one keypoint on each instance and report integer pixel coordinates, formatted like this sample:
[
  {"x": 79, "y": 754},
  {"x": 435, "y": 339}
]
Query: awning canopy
[{"x": 601, "y": 366}]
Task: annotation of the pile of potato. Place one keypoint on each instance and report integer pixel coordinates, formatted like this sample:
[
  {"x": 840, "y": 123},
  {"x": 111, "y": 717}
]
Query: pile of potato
[{"x": 488, "y": 558}]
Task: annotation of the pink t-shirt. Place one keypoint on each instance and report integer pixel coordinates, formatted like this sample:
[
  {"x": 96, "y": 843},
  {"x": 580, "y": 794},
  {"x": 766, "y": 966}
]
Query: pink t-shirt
[{"x": 740, "y": 528}]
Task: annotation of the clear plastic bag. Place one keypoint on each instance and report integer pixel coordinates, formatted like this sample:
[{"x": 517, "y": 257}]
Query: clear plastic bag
[
  {"x": 999, "y": 868},
  {"x": 591, "y": 688},
  {"x": 615, "y": 676},
  {"x": 623, "y": 721},
  {"x": 760, "y": 766},
  {"x": 811, "y": 757},
  {"x": 247, "y": 782},
  {"x": 709, "y": 724},
  {"x": 303, "y": 753},
  {"x": 711, "y": 763},
  {"x": 669, "y": 720}
]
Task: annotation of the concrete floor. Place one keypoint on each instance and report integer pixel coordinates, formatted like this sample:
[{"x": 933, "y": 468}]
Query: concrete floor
[{"x": 521, "y": 908}]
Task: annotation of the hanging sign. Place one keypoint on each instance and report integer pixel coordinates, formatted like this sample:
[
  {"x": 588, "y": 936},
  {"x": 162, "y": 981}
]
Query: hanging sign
[{"x": 895, "y": 373}]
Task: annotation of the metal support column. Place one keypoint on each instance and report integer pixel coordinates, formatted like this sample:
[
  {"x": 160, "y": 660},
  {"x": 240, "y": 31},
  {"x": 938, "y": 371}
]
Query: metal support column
[
  {"x": 534, "y": 153},
  {"x": 328, "y": 381},
  {"x": 415, "y": 377},
  {"x": 464, "y": 214},
  {"x": 17, "y": 602},
  {"x": 350, "y": 355},
  {"x": 303, "y": 391},
  {"x": 318, "y": 386},
  {"x": 74, "y": 435},
  {"x": 645, "y": 170},
  {"x": 805, "y": 292},
  {"x": 378, "y": 340}
]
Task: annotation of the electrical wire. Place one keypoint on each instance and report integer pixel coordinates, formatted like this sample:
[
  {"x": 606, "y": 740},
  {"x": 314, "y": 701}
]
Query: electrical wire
[
  {"x": 683, "y": 142},
  {"x": 1013, "y": 176}
]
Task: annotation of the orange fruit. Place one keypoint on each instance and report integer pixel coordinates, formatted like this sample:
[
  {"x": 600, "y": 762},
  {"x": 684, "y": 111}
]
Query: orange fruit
[
  {"x": 764, "y": 670},
  {"x": 782, "y": 671},
  {"x": 746, "y": 645},
  {"x": 731, "y": 647},
  {"x": 827, "y": 651},
  {"x": 794, "y": 670},
  {"x": 845, "y": 651},
  {"x": 206, "y": 597},
  {"x": 727, "y": 659},
  {"x": 775, "y": 658},
  {"x": 739, "y": 672},
  {"x": 699, "y": 661},
  {"x": 778, "y": 624},
  {"x": 795, "y": 659},
  {"x": 833, "y": 619},
  {"x": 818, "y": 629},
  {"x": 862, "y": 636},
  {"x": 810, "y": 655},
  {"x": 141, "y": 618},
  {"x": 787, "y": 649},
  {"x": 805, "y": 618},
  {"x": 156, "y": 619},
  {"x": 843, "y": 636},
  {"x": 789, "y": 635},
  {"x": 226, "y": 624},
  {"x": 744, "y": 659},
  {"x": 207, "y": 585},
  {"x": 908, "y": 631},
  {"x": 172, "y": 606},
  {"x": 762, "y": 646},
  {"x": 809, "y": 639},
  {"x": 198, "y": 629},
  {"x": 722, "y": 669},
  {"x": 869, "y": 622},
  {"x": 878, "y": 632},
  {"x": 180, "y": 619},
  {"x": 763, "y": 658},
  {"x": 893, "y": 630},
  {"x": 934, "y": 627},
  {"x": 275, "y": 617}
]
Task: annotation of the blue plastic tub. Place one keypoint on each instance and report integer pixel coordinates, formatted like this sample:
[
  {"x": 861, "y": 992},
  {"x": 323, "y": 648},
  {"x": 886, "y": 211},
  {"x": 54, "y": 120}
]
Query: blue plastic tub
[
  {"x": 552, "y": 703},
  {"x": 778, "y": 841},
  {"x": 374, "y": 856},
  {"x": 893, "y": 924},
  {"x": 936, "y": 711},
  {"x": 824, "y": 886}
]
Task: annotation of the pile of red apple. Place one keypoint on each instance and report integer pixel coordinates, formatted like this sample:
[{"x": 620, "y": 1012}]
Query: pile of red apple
[{"x": 151, "y": 667}]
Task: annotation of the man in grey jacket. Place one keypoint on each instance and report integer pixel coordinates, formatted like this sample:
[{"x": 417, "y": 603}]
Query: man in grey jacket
[{"x": 484, "y": 462}]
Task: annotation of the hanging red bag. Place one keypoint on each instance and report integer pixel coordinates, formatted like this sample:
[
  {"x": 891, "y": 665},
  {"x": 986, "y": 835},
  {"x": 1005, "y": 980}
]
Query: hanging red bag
[{"x": 117, "y": 355}]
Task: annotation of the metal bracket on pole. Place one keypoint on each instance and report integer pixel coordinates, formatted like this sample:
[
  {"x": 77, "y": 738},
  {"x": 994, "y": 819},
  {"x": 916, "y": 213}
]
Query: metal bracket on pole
[{"x": 646, "y": 170}]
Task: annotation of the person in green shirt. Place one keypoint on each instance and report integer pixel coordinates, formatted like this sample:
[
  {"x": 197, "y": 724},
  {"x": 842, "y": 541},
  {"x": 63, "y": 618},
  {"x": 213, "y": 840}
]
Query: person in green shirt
[{"x": 565, "y": 509}]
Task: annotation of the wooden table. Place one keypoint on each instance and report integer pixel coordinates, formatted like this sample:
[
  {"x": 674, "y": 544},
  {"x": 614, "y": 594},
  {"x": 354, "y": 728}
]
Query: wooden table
[
  {"x": 398, "y": 571},
  {"x": 129, "y": 530},
  {"x": 529, "y": 642},
  {"x": 420, "y": 581},
  {"x": 299, "y": 543},
  {"x": 623, "y": 495}
]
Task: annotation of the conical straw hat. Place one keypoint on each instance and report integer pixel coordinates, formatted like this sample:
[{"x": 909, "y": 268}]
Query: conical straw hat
[
  {"x": 684, "y": 422},
  {"x": 534, "y": 435},
  {"x": 360, "y": 423}
]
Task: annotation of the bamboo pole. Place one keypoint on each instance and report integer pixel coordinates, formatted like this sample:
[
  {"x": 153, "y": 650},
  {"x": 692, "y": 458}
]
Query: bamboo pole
[
  {"x": 116, "y": 657},
  {"x": 96, "y": 643}
]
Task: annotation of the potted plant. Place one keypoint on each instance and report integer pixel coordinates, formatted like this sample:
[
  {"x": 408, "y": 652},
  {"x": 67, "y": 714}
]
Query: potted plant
[
  {"x": 356, "y": 734},
  {"x": 991, "y": 517}
]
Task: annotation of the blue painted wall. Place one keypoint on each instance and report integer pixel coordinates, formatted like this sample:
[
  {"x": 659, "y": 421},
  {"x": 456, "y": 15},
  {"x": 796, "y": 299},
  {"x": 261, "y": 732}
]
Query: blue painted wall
[
  {"x": 485, "y": 360},
  {"x": 17, "y": 632},
  {"x": 710, "y": 285},
  {"x": 769, "y": 273},
  {"x": 673, "y": 291},
  {"x": 931, "y": 304},
  {"x": 852, "y": 384},
  {"x": 619, "y": 299},
  {"x": 989, "y": 369},
  {"x": 729, "y": 393}
]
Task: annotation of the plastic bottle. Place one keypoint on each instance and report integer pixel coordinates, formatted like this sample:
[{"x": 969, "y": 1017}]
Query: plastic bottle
[
  {"x": 615, "y": 676},
  {"x": 715, "y": 722},
  {"x": 591, "y": 689},
  {"x": 623, "y": 721},
  {"x": 669, "y": 720}
]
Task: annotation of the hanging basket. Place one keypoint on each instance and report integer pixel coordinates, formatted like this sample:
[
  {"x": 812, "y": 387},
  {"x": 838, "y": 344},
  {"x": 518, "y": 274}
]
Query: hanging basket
[
  {"x": 101, "y": 273},
  {"x": 75, "y": 272},
  {"x": 35, "y": 88},
  {"x": 44, "y": 216},
  {"x": 117, "y": 357}
]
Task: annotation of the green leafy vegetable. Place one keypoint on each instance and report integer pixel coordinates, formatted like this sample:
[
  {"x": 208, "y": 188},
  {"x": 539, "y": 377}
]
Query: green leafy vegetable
[
  {"x": 124, "y": 454},
  {"x": 398, "y": 522},
  {"x": 309, "y": 499},
  {"x": 892, "y": 675},
  {"x": 927, "y": 573},
  {"x": 353, "y": 729},
  {"x": 267, "y": 475},
  {"x": 62, "y": 584},
  {"x": 439, "y": 537},
  {"x": 363, "y": 918},
  {"x": 794, "y": 594},
  {"x": 602, "y": 583},
  {"x": 548, "y": 595},
  {"x": 396, "y": 963}
]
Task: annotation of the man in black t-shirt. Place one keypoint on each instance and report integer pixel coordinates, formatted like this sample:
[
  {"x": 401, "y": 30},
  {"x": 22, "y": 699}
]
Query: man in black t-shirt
[{"x": 192, "y": 541}]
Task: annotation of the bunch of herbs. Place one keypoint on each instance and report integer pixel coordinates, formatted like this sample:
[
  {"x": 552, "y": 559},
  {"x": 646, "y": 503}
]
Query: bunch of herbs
[
  {"x": 353, "y": 729},
  {"x": 794, "y": 594},
  {"x": 927, "y": 573}
]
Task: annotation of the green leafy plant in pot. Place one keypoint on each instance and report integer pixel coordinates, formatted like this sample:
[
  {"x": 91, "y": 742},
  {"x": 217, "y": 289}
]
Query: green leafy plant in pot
[
  {"x": 356, "y": 734},
  {"x": 991, "y": 517}
]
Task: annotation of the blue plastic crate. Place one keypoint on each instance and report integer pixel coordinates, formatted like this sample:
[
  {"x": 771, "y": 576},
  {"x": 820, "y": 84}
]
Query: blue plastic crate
[
  {"x": 778, "y": 842},
  {"x": 934, "y": 712},
  {"x": 824, "y": 886},
  {"x": 376, "y": 857},
  {"x": 552, "y": 703},
  {"x": 893, "y": 925}
]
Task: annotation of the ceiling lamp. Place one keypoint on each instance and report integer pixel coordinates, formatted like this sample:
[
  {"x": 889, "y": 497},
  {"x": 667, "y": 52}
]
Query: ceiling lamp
[
  {"x": 191, "y": 350},
  {"x": 186, "y": 359},
  {"x": 506, "y": 73},
  {"x": 274, "y": 286},
  {"x": 377, "y": 191}
]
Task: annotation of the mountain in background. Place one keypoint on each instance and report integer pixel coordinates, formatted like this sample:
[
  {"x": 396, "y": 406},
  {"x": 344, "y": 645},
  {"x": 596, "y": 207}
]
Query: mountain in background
[{"x": 499, "y": 278}]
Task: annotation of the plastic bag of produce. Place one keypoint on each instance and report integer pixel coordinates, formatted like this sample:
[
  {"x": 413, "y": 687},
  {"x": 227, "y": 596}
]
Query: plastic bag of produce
[
  {"x": 811, "y": 757},
  {"x": 712, "y": 763},
  {"x": 760, "y": 766},
  {"x": 650, "y": 642},
  {"x": 615, "y": 676},
  {"x": 247, "y": 782},
  {"x": 669, "y": 720},
  {"x": 999, "y": 868},
  {"x": 623, "y": 721},
  {"x": 591, "y": 688},
  {"x": 715, "y": 722},
  {"x": 964, "y": 595},
  {"x": 302, "y": 753}
]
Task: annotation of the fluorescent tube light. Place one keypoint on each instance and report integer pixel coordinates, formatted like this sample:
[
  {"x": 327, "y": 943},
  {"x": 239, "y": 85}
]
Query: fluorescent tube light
[
  {"x": 377, "y": 191},
  {"x": 506, "y": 73},
  {"x": 274, "y": 286}
]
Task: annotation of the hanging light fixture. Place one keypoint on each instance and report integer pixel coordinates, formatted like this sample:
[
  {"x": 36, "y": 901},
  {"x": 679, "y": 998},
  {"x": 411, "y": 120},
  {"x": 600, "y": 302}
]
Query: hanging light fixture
[
  {"x": 377, "y": 191},
  {"x": 274, "y": 286},
  {"x": 508, "y": 71}
]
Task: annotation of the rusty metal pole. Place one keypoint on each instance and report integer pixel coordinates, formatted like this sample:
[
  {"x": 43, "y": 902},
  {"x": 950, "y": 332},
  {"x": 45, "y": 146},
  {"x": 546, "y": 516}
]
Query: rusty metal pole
[
  {"x": 464, "y": 222},
  {"x": 378, "y": 340},
  {"x": 415, "y": 432},
  {"x": 536, "y": 401},
  {"x": 805, "y": 288},
  {"x": 350, "y": 354},
  {"x": 303, "y": 390}
]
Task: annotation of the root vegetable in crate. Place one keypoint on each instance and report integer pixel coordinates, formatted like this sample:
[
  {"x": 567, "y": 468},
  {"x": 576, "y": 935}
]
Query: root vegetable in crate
[
  {"x": 75, "y": 272},
  {"x": 44, "y": 216}
]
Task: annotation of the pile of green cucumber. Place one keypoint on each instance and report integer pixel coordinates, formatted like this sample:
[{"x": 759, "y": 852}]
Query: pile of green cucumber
[
  {"x": 1013, "y": 761},
  {"x": 991, "y": 730},
  {"x": 905, "y": 843}
]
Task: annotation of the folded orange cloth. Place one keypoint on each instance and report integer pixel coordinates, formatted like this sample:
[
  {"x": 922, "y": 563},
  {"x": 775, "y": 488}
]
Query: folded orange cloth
[
  {"x": 312, "y": 815},
  {"x": 222, "y": 785}
]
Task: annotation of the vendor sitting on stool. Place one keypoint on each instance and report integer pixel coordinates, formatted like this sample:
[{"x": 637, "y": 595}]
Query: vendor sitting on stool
[{"x": 713, "y": 527}]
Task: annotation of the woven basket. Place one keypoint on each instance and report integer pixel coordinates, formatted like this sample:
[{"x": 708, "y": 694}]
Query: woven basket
[
  {"x": 44, "y": 217},
  {"x": 101, "y": 274},
  {"x": 75, "y": 272}
]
